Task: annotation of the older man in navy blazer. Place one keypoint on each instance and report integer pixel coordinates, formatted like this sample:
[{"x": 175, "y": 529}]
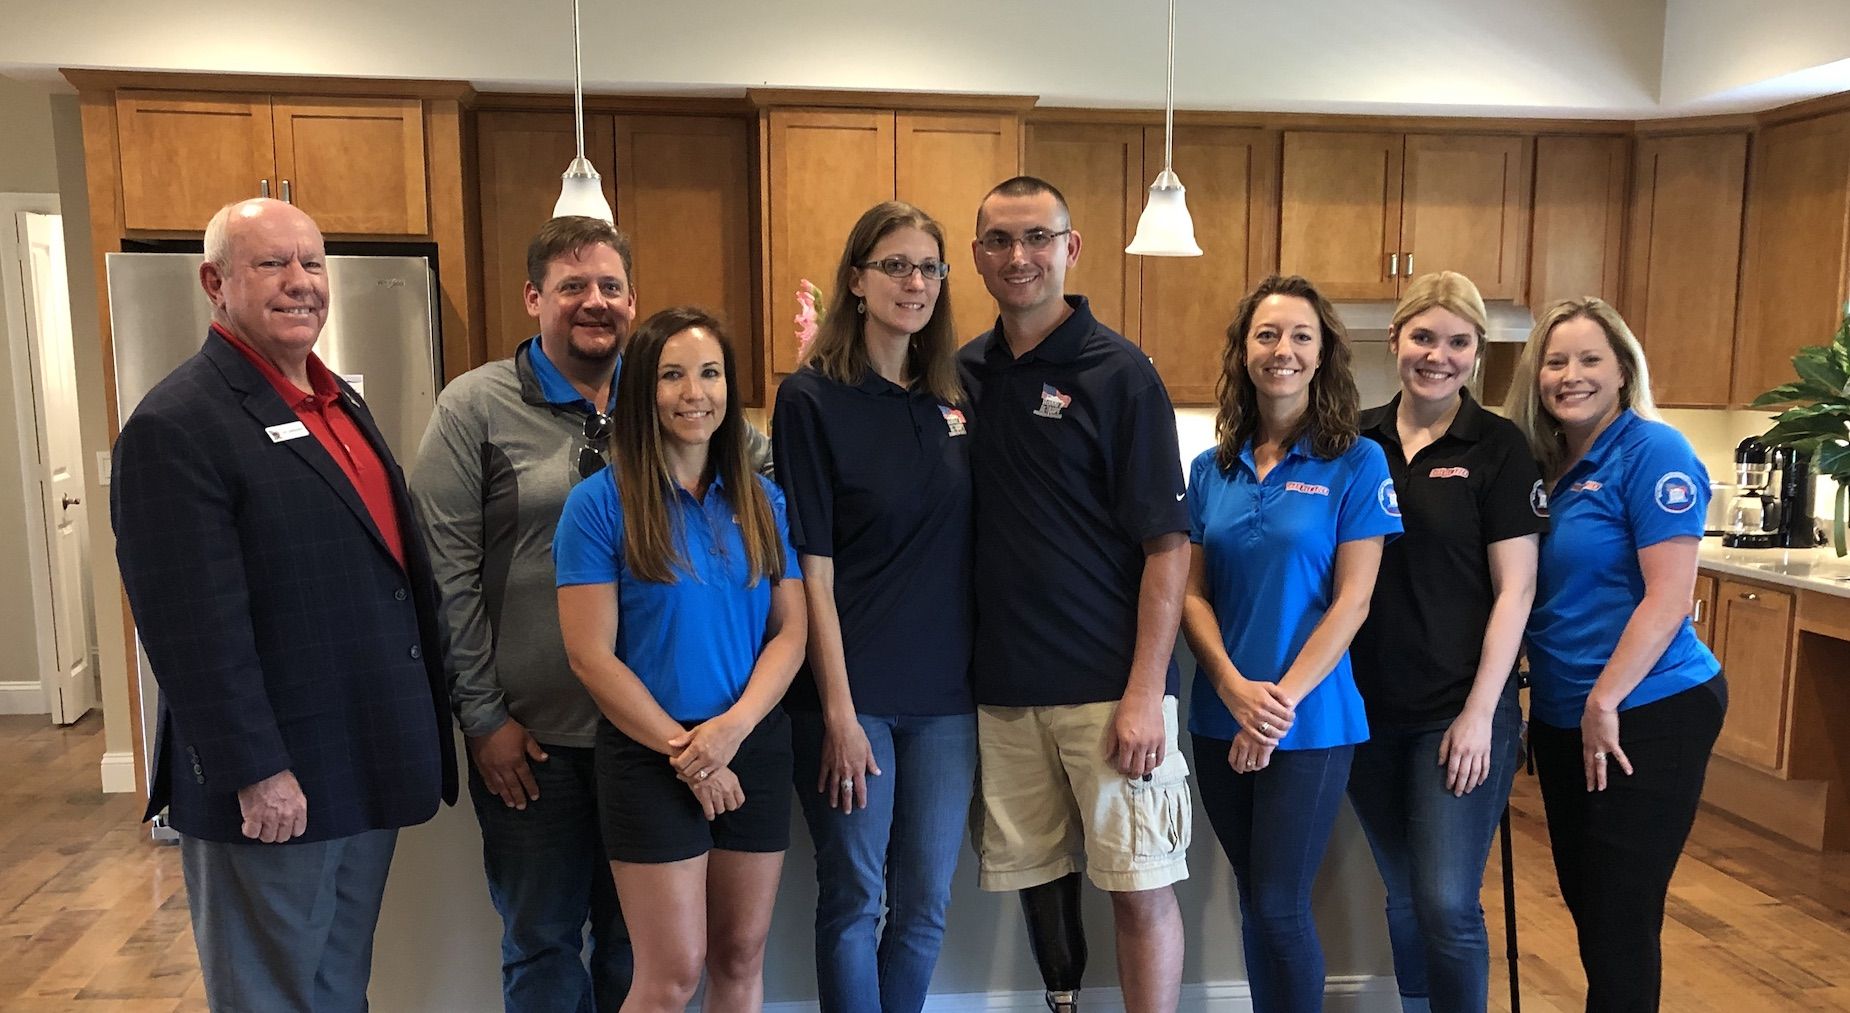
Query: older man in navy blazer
[{"x": 285, "y": 602}]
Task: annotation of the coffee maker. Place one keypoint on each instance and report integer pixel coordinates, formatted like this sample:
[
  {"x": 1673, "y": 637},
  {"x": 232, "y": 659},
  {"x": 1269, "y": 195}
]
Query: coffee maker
[{"x": 1772, "y": 503}]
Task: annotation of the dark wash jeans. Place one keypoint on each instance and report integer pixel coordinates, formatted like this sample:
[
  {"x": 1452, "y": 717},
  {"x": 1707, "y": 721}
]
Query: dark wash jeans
[
  {"x": 1615, "y": 850},
  {"x": 1274, "y": 826},
  {"x": 1431, "y": 847},
  {"x": 547, "y": 876}
]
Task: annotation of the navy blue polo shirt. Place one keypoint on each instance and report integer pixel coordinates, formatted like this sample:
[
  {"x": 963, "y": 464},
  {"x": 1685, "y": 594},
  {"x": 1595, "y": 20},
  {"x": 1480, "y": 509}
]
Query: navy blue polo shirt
[
  {"x": 1638, "y": 485},
  {"x": 692, "y": 642},
  {"x": 1416, "y": 656},
  {"x": 1076, "y": 466},
  {"x": 877, "y": 478},
  {"x": 1270, "y": 551}
]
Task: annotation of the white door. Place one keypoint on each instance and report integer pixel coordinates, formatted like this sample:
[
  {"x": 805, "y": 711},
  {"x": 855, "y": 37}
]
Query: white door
[{"x": 70, "y": 685}]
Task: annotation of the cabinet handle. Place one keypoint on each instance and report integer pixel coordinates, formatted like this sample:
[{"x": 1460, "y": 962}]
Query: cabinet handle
[
  {"x": 263, "y": 188},
  {"x": 1696, "y": 616},
  {"x": 1409, "y": 253},
  {"x": 1393, "y": 265},
  {"x": 1749, "y": 596},
  {"x": 287, "y": 199}
]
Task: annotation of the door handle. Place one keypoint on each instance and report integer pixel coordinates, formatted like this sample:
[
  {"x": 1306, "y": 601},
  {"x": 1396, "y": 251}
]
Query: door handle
[
  {"x": 1696, "y": 614},
  {"x": 1409, "y": 252},
  {"x": 287, "y": 199},
  {"x": 1393, "y": 265},
  {"x": 263, "y": 188},
  {"x": 1749, "y": 596},
  {"x": 70, "y": 502}
]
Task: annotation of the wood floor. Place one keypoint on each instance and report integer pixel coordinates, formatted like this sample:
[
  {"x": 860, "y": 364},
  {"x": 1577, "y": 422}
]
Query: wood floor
[{"x": 93, "y": 916}]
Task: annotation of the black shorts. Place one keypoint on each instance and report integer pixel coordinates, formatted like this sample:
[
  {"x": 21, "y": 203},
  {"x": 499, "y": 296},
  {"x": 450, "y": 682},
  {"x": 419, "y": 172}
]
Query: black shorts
[{"x": 650, "y": 816}]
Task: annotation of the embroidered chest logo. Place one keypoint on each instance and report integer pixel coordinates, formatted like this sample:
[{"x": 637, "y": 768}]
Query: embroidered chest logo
[
  {"x": 1449, "y": 473},
  {"x": 1586, "y": 485},
  {"x": 1388, "y": 498},
  {"x": 953, "y": 420},
  {"x": 1307, "y": 489},
  {"x": 1675, "y": 493},
  {"x": 1053, "y": 403},
  {"x": 1538, "y": 499}
]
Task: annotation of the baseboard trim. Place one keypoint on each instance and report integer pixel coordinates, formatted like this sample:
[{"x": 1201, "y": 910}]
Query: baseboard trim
[
  {"x": 118, "y": 772},
  {"x": 22, "y": 698},
  {"x": 1351, "y": 993}
]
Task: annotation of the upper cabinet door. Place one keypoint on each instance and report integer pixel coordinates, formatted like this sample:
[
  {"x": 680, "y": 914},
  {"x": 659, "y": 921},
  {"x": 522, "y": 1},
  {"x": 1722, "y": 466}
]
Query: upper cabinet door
[
  {"x": 944, "y": 163},
  {"x": 1340, "y": 212},
  {"x": 684, "y": 198},
  {"x": 1232, "y": 180},
  {"x": 826, "y": 169},
  {"x": 1797, "y": 273},
  {"x": 1465, "y": 209},
  {"x": 1100, "y": 170},
  {"x": 1682, "y": 262},
  {"x": 1579, "y": 218},
  {"x": 520, "y": 156},
  {"x": 185, "y": 155},
  {"x": 356, "y": 165}
]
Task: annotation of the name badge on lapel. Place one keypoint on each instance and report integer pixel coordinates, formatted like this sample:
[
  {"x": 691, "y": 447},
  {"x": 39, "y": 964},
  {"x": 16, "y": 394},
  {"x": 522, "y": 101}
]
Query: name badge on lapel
[{"x": 286, "y": 432}]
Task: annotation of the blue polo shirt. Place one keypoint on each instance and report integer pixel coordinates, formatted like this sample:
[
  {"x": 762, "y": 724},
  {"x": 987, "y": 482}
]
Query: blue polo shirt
[
  {"x": 692, "y": 642},
  {"x": 1638, "y": 485},
  {"x": 553, "y": 384},
  {"x": 1076, "y": 466},
  {"x": 1270, "y": 550},
  {"x": 877, "y": 478}
]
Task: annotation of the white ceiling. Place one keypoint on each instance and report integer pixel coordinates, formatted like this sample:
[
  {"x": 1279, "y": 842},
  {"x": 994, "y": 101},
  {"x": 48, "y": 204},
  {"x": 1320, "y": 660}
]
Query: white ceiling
[{"x": 1600, "y": 58}]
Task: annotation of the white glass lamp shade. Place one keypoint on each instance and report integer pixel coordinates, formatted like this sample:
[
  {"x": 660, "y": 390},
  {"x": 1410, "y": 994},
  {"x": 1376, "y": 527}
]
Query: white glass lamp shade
[
  {"x": 582, "y": 193},
  {"x": 1165, "y": 229}
]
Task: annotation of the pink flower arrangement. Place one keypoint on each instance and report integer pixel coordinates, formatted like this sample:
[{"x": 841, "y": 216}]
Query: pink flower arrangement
[{"x": 809, "y": 314}]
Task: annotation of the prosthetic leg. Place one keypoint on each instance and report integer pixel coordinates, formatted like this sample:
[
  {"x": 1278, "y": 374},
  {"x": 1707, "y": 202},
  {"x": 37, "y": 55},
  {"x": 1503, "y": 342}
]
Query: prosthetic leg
[{"x": 1057, "y": 937}]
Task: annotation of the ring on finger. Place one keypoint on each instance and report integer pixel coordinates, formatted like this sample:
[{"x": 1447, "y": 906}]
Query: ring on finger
[
  {"x": 1265, "y": 727},
  {"x": 847, "y": 784},
  {"x": 703, "y": 775}
]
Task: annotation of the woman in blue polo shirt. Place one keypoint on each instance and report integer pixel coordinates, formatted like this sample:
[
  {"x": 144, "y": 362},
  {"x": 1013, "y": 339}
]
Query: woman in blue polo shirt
[
  {"x": 682, "y": 613},
  {"x": 1287, "y": 514},
  {"x": 1434, "y": 658},
  {"x": 1625, "y": 701},
  {"x": 872, "y": 441}
]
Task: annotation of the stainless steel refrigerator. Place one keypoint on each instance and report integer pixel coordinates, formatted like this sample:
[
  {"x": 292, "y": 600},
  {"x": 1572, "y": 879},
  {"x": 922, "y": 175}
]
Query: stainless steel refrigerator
[{"x": 381, "y": 335}]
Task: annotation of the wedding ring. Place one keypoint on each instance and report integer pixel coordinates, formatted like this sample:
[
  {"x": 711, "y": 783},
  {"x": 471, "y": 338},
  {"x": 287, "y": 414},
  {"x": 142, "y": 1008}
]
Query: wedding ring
[
  {"x": 1150, "y": 756},
  {"x": 1599, "y": 756},
  {"x": 703, "y": 775},
  {"x": 847, "y": 784},
  {"x": 1265, "y": 727}
]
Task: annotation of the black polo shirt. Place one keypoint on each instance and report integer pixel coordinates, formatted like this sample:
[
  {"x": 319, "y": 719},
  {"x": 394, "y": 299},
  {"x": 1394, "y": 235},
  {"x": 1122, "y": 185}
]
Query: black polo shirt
[
  {"x": 1076, "y": 465},
  {"x": 1416, "y": 656},
  {"x": 877, "y": 478}
]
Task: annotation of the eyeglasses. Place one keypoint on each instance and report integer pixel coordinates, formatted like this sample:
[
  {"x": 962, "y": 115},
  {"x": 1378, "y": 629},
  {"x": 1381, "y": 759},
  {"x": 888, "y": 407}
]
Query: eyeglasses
[
  {"x": 597, "y": 436},
  {"x": 899, "y": 268},
  {"x": 999, "y": 244}
]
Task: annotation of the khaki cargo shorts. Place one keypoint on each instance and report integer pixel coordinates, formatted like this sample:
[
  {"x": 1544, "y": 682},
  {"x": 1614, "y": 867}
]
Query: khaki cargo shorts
[{"x": 1050, "y": 803}]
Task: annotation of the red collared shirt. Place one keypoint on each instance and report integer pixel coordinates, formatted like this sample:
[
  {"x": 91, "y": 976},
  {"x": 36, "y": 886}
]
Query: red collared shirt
[{"x": 327, "y": 420}]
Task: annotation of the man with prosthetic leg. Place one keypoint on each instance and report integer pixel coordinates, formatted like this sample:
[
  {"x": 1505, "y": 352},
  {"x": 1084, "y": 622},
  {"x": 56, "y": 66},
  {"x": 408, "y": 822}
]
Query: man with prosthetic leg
[{"x": 1081, "y": 559}]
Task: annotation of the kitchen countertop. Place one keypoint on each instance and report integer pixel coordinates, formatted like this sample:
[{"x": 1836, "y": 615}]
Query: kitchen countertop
[{"x": 1818, "y": 569}]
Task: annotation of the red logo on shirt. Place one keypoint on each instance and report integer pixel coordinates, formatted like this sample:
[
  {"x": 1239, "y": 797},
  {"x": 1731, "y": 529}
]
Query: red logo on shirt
[
  {"x": 953, "y": 420},
  {"x": 1588, "y": 485},
  {"x": 1307, "y": 489},
  {"x": 1449, "y": 473}
]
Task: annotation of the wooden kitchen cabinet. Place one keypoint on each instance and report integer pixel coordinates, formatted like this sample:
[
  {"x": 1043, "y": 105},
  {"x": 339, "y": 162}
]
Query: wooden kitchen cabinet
[
  {"x": 1682, "y": 262},
  {"x": 1176, "y": 308},
  {"x": 828, "y": 166},
  {"x": 1796, "y": 272},
  {"x": 355, "y": 164},
  {"x": 1702, "y": 609},
  {"x": 1363, "y": 213},
  {"x": 1578, "y": 230},
  {"x": 1753, "y": 630}
]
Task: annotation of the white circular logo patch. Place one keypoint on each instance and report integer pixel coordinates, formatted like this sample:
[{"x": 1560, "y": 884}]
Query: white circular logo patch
[
  {"x": 1538, "y": 499},
  {"x": 1388, "y": 498},
  {"x": 1676, "y": 493}
]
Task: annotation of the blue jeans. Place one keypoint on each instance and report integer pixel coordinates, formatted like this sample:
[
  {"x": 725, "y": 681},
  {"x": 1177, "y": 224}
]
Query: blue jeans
[
  {"x": 1274, "y": 825},
  {"x": 894, "y": 857},
  {"x": 547, "y": 875},
  {"x": 1430, "y": 847}
]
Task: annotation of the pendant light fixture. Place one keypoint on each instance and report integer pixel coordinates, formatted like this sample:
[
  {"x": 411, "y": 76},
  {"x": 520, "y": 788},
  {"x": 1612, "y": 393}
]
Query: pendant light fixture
[
  {"x": 583, "y": 189},
  {"x": 1165, "y": 229}
]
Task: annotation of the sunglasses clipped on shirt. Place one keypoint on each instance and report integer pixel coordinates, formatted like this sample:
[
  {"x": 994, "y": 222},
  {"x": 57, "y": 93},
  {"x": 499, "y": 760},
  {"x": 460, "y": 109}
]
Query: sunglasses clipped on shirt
[
  {"x": 899, "y": 268},
  {"x": 597, "y": 440}
]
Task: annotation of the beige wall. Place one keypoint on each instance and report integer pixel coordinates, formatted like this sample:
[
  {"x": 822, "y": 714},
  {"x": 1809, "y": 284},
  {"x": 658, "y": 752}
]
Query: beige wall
[{"x": 27, "y": 165}]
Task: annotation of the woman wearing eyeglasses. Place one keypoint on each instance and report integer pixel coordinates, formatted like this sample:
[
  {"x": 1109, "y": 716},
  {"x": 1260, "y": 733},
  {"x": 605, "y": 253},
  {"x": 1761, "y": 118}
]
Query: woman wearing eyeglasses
[
  {"x": 682, "y": 613},
  {"x": 872, "y": 444}
]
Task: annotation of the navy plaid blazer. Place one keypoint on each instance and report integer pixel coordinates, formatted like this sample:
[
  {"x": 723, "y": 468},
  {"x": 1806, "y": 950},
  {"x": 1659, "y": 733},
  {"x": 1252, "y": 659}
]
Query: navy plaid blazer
[{"x": 281, "y": 630}]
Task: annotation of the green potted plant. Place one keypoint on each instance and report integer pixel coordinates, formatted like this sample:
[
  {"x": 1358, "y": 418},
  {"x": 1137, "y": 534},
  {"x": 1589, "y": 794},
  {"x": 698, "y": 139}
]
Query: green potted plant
[{"x": 1819, "y": 424}]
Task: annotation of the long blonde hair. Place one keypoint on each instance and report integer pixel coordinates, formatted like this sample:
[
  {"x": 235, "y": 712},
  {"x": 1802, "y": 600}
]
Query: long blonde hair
[{"x": 1526, "y": 409}]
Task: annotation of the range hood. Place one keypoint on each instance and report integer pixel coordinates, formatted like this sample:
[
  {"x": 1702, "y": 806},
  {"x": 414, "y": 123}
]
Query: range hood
[{"x": 1368, "y": 321}]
